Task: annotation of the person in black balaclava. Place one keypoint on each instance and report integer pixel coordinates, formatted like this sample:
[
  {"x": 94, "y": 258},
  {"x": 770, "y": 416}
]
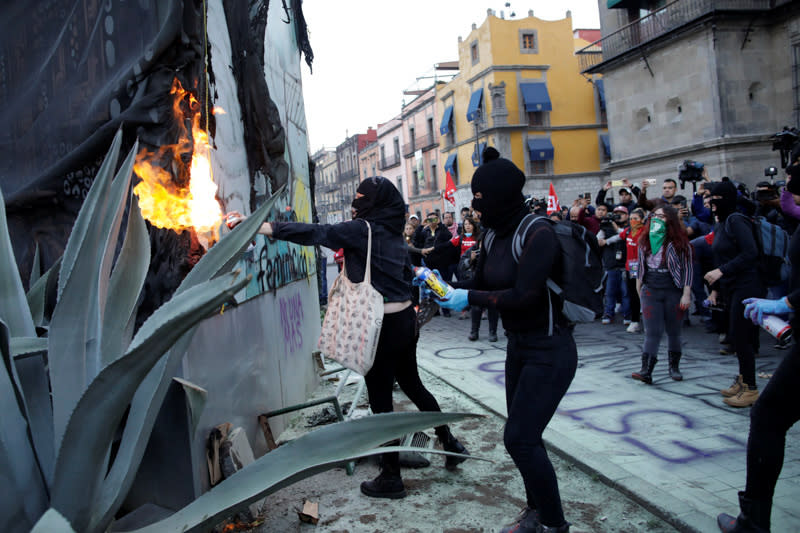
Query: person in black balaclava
[
  {"x": 380, "y": 203},
  {"x": 541, "y": 356},
  {"x": 736, "y": 278}
]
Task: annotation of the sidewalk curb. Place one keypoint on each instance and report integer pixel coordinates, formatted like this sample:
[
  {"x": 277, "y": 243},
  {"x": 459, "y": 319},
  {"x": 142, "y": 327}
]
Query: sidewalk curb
[{"x": 655, "y": 500}]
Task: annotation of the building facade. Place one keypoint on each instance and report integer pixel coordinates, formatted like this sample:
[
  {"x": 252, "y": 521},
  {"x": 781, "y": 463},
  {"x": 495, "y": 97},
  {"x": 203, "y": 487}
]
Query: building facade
[
  {"x": 421, "y": 154},
  {"x": 347, "y": 166},
  {"x": 703, "y": 80},
  {"x": 326, "y": 186},
  {"x": 390, "y": 161},
  {"x": 368, "y": 160},
  {"x": 519, "y": 88}
]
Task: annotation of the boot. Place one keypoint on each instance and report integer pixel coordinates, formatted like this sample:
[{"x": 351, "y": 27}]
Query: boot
[
  {"x": 735, "y": 387},
  {"x": 526, "y": 522},
  {"x": 388, "y": 484},
  {"x": 746, "y": 397},
  {"x": 674, "y": 371},
  {"x": 646, "y": 373},
  {"x": 473, "y": 335},
  {"x": 754, "y": 518},
  {"x": 493, "y": 336},
  {"x": 451, "y": 444}
]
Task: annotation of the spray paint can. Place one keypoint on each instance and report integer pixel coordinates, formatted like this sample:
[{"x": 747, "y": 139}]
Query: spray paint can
[
  {"x": 436, "y": 284},
  {"x": 778, "y": 328},
  {"x": 232, "y": 220}
]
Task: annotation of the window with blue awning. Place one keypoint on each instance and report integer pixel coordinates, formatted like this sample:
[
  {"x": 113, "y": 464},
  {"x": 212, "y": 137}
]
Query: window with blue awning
[
  {"x": 541, "y": 149},
  {"x": 535, "y": 96},
  {"x": 450, "y": 164},
  {"x": 444, "y": 129},
  {"x": 477, "y": 156},
  {"x": 601, "y": 93},
  {"x": 474, "y": 104}
]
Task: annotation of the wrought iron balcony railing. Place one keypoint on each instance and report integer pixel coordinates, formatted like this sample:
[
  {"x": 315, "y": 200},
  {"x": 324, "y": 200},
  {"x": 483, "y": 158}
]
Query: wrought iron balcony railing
[{"x": 389, "y": 161}]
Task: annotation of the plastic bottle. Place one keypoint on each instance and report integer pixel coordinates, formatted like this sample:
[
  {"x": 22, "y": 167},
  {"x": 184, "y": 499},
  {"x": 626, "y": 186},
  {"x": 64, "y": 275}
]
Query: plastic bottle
[
  {"x": 778, "y": 328},
  {"x": 436, "y": 284}
]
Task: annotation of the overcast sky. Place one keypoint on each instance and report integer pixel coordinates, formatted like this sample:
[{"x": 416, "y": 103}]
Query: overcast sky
[{"x": 367, "y": 52}]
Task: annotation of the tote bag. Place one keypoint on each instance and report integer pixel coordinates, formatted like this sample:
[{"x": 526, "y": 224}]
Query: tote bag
[{"x": 353, "y": 320}]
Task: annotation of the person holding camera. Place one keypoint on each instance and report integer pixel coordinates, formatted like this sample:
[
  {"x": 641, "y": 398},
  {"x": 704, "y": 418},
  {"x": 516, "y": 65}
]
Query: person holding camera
[{"x": 614, "y": 256}]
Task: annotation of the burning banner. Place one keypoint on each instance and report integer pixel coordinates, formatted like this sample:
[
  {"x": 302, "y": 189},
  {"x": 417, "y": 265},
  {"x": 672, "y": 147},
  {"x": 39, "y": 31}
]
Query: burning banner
[{"x": 188, "y": 202}]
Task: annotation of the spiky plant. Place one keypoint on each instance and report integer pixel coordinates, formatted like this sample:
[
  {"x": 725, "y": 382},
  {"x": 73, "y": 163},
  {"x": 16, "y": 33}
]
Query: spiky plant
[{"x": 63, "y": 396}]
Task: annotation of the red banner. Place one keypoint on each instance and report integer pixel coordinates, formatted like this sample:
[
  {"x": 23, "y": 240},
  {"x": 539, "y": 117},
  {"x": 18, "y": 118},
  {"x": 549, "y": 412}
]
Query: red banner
[
  {"x": 450, "y": 189},
  {"x": 552, "y": 201}
]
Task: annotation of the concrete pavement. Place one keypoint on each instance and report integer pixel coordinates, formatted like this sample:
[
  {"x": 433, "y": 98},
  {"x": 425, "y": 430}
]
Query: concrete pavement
[{"x": 673, "y": 446}]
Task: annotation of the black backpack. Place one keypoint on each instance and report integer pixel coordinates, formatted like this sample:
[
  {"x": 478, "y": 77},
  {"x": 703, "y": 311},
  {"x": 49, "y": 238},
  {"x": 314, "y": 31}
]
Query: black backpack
[
  {"x": 582, "y": 275},
  {"x": 772, "y": 242}
]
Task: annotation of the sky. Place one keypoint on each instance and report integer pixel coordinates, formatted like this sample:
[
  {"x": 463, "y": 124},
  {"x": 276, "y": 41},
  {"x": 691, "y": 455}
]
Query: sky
[{"x": 367, "y": 52}]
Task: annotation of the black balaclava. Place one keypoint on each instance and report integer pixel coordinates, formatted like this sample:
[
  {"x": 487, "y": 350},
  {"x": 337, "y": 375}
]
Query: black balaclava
[
  {"x": 500, "y": 183},
  {"x": 794, "y": 184},
  {"x": 726, "y": 204},
  {"x": 381, "y": 204}
]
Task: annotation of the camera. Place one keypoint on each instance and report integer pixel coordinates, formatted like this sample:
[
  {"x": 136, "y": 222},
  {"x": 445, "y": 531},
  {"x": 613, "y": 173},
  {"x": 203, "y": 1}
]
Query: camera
[
  {"x": 690, "y": 171},
  {"x": 770, "y": 171},
  {"x": 786, "y": 141}
]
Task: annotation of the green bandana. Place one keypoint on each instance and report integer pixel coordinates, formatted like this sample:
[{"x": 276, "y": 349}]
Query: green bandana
[{"x": 657, "y": 232}]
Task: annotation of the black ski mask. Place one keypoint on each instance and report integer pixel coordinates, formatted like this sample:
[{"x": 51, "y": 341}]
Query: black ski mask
[
  {"x": 726, "y": 204},
  {"x": 500, "y": 183},
  {"x": 381, "y": 204}
]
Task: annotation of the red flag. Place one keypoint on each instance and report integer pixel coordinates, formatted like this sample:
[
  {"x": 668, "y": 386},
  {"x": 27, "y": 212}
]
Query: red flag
[
  {"x": 450, "y": 189},
  {"x": 552, "y": 201}
]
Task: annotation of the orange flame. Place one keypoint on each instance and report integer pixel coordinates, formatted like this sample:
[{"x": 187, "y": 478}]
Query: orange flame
[{"x": 166, "y": 204}]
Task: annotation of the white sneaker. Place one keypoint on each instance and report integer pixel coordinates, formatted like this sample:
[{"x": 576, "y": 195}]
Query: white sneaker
[
  {"x": 606, "y": 320},
  {"x": 633, "y": 328},
  {"x": 626, "y": 322}
]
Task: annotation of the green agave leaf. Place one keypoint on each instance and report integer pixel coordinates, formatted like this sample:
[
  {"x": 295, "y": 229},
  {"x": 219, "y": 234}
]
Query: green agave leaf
[
  {"x": 52, "y": 522},
  {"x": 13, "y": 305},
  {"x": 37, "y": 294},
  {"x": 310, "y": 454},
  {"x": 196, "y": 399},
  {"x": 36, "y": 269},
  {"x": 125, "y": 286},
  {"x": 91, "y": 428},
  {"x": 223, "y": 256},
  {"x": 24, "y": 492},
  {"x": 21, "y": 346}
]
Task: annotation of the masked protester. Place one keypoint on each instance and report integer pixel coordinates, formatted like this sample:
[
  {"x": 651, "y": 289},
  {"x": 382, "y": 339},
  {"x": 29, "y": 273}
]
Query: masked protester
[
  {"x": 736, "y": 278},
  {"x": 379, "y": 202},
  {"x": 664, "y": 284},
  {"x": 541, "y": 357},
  {"x": 775, "y": 411}
]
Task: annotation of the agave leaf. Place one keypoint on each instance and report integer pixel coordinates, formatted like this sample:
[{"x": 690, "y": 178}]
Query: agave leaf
[
  {"x": 223, "y": 256},
  {"x": 91, "y": 428},
  {"x": 312, "y": 453},
  {"x": 125, "y": 285},
  {"x": 13, "y": 306},
  {"x": 21, "y": 346},
  {"x": 36, "y": 269},
  {"x": 52, "y": 522},
  {"x": 37, "y": 294},
  {"x": 195, "y": 398},
  {"x": 24, "y": 492}
]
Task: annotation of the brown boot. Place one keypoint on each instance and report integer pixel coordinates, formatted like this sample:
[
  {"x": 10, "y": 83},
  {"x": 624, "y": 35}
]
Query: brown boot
[
  {"x": 747, "y": 396},
  {"x": 735, "y": 387}
]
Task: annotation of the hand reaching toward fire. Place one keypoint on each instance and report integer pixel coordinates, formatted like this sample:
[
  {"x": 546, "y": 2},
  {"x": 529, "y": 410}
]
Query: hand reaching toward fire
[{"x": 234, "y": 218}]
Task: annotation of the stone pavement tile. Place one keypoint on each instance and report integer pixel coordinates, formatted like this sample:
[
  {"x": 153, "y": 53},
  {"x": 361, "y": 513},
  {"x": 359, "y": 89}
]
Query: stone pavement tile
[{"x": 698, "y": 521}]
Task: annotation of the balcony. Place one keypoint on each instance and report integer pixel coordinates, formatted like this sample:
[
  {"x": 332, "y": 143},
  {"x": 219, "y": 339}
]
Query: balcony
[
  {"x": 389, "y": 161},
  {"x": 348, "y": 174},
  {"x": 669, "y": 18},
  {"x": 423, "y": 142}
]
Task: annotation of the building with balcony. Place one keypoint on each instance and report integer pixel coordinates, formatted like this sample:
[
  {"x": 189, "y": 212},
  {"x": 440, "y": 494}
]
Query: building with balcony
[
  {"x": 703, "y": 80},
  {"x": 420, "y": 153},
  {"x": 348, "y": 168},
  {"x": 326, "y": 186},
  {"x": 519, "y": 88},
  {"x": 391, "y": 164},
  {"x": 369, "y": 160}
]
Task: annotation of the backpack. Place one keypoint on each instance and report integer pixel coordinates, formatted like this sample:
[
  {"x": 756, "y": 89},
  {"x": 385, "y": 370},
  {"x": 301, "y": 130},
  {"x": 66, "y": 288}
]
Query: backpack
[
  {"x": 772, "y": 242},
  {"x": 582, "y": 275},
  {"x": 466, "y": 268}
]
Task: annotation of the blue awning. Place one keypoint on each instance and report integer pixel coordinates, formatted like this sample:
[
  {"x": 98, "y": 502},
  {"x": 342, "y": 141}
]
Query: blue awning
[
  {"x": 474, "y": 104},
  {"x": 601, "y": 93},
  {"x": 535, "y": 96},
  {"x": 541, "y": 149},
  {"x": 606, "y": 144},
  {"x": 451, "y": 162},
  {"x": 477, "y": 156},
  {"x": 444, "y": 129}
]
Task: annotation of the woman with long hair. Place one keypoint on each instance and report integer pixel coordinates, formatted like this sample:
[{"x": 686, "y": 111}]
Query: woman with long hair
[
  {"x": 664, "y": 284},
  {"x": 631, "y": 236}
]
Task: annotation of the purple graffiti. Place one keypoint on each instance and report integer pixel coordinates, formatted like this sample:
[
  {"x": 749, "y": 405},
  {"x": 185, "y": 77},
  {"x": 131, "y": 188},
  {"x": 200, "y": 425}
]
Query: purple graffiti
[{"x": 291, "y": 311}]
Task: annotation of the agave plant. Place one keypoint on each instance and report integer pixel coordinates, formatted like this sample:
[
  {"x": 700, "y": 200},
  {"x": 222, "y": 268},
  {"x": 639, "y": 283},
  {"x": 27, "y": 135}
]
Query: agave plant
[{"x": 64, "y": 396}]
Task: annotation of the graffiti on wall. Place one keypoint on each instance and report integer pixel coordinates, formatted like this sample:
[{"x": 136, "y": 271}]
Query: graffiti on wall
[{"x": 291, "y": 320}]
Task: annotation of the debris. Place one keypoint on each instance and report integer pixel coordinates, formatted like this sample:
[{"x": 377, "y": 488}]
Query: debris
[
  {"x": 326, "y": 416},
  {"x": 310, "y": 512},
  {"x": 263, "y": 422}
]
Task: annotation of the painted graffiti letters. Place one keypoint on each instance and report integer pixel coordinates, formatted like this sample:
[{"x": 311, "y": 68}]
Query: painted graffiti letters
[{"x": 291, "y": 317}]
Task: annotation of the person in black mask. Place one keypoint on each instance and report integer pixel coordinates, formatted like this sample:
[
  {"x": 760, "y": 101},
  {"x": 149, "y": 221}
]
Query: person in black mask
[
  {"x": 736, "y": 275},
  {"x": 380, "y": 203},
  {"x": 541, "y": 356}
]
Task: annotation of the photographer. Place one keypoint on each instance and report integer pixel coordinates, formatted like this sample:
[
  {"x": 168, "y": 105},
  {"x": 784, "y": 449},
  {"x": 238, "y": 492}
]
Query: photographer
[
  {"x": 614, "y": 256},
  {"x": 694, "y": 227},
  {"x": 627, "y": 195},
  {"x": 769, "y": 206},
  {"x": 668, "y": 190}
]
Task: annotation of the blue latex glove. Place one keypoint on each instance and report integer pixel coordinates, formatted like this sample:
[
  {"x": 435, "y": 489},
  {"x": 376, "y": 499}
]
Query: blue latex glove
[
  {"x": 457, "y": 301},
  {"x": 756, "y": 308}
]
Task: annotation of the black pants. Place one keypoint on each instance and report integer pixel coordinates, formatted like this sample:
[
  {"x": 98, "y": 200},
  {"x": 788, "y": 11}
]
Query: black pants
[
  {"x": 633, "y": 295},
  {"x": 775, "y": 411},
  {"x": 539, "y": 370},
  {"x": 475, "y": 315},
  {"x": 396, "y": 359},
  {"x": 742, "y": 332}
]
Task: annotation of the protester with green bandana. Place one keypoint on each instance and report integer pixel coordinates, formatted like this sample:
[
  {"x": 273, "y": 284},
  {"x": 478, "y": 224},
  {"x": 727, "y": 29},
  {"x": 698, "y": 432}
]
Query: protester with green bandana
[{"x": 664, "y": 284}]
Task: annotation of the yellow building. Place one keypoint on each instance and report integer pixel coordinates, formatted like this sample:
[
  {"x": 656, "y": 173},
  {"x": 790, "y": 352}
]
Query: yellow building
[{"x": 519, "y": 89}]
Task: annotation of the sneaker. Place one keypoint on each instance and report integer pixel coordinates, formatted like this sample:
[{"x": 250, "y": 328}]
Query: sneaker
[
  {"x": 606, "y": 320},
  {"x": 735, "y": 387},
  {"x": 527, "y": 521},
  {"x": 626, "y": 321},
  {"x": 386, "y": 485},
  {"x": 745, "y": 398},
  {"x": 473, "y": 336},
  {"x": 633, "y": 328}
]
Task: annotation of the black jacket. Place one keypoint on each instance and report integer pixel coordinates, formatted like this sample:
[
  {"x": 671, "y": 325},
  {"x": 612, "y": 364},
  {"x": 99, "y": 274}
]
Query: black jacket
[
  {"x": 442, "y": 255},
  {"x": 735, "y": 252}
]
